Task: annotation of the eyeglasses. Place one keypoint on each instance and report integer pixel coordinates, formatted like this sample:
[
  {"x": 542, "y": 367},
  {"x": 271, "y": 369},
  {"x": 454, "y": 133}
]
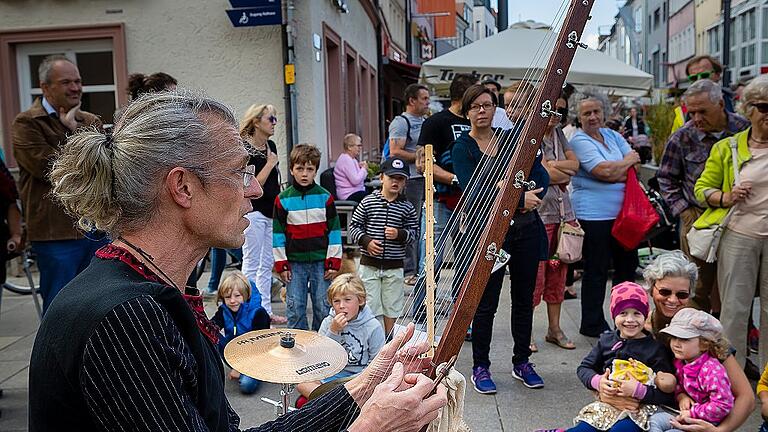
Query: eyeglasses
[
  {"x": 485, "y": 107},
  {"x": 272, "y": 119},
  {"x": 666, "y": 292},
  {"x": 762, "y": 107},
  {"x": 249, "y": 173},
  {"x": 700, "y": 75}
]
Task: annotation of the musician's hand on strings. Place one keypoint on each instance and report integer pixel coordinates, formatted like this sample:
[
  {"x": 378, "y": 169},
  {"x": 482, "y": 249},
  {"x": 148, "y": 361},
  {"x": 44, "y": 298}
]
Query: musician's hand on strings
[
  {"x": 532, "y": 202},
  {"x": 285, "y": 276},
  {"x": 374, "y": 248},
  {"x": 339, "y": 322},
  {"x": 406, "y": 410},
  {"x": 379, "y": 369},
  {"x": 390, "y": 233}
]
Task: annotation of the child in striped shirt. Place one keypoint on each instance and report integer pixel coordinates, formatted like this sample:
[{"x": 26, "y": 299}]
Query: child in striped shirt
[
  {"x": 306, "y": 240},
  {"x": 383, "y": 224}
]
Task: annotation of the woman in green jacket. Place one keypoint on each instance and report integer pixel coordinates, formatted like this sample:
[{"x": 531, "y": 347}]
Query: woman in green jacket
[{"x": 742, "y": 255}]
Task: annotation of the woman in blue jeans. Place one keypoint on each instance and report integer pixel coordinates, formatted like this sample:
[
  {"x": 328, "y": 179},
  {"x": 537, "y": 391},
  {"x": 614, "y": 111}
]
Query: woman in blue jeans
[
  {"x": 598, "y": 193},
  {"x": 525, "y": 242}
]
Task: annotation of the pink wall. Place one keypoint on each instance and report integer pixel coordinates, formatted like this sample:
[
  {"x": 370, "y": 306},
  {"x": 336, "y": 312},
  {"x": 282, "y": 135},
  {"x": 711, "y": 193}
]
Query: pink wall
[{"x": 678, "y": 22}]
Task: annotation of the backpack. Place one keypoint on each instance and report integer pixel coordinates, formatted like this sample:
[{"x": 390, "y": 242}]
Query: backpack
[{"x": 385, "y": 151}]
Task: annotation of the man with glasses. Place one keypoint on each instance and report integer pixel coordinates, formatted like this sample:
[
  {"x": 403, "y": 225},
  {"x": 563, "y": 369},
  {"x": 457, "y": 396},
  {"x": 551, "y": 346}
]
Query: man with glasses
[
  {"x": 683, "y": 162},
  {"x": 707, "y": 67}
]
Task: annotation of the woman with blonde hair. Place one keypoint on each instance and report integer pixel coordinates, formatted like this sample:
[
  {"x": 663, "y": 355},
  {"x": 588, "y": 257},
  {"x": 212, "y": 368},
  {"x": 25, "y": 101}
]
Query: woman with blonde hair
[{"x": 256, "y": 126}]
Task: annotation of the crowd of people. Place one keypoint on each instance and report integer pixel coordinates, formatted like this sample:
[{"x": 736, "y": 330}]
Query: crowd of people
[{"x": 178, "y": 178}]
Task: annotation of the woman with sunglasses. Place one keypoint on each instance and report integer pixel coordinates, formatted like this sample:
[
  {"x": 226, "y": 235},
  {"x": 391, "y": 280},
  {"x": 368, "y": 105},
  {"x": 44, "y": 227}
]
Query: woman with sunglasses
[
  {"x": 671, "y": 278},
  {"x": 742, "y": 257},
  {"x": 256, "y": 126}
]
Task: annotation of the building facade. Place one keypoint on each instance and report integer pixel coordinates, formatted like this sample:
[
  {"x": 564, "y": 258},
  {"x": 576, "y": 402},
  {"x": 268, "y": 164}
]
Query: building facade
[
  {"x": 681, "y": 40},
  {"x": 336, "y": 60},
  {"x": 656, "y": 41}
]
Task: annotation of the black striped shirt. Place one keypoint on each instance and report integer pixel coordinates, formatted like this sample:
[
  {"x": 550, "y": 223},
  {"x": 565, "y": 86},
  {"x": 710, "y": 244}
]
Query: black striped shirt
[{"x": 371, "y": 216}]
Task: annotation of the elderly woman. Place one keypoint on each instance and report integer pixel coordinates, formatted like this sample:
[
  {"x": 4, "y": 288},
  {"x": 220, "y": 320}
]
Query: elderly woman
[
  {"x": 125, "y": 343},
  {"x": 598, "y": 192},
  {"x": 742, "y": 257},
  {"x": 525, "y": 242},
  {"x": 671, "y": 278},
  {"x": 256, "y": 127},
  {"x": 350, "y": 173}
]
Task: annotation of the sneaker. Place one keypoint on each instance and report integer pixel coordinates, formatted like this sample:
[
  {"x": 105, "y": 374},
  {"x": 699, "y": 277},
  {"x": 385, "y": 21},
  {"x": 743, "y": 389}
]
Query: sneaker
[
  {"x": 527, "y": 374},
  {"x": 481, "y": 379}
]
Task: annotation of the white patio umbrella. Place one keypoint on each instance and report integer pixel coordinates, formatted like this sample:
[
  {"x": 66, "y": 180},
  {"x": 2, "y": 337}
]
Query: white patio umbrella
[{"x": 509, "y": 55}]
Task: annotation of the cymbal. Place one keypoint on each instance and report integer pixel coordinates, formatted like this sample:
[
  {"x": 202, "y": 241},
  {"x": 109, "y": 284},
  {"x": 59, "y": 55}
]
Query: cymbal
[{"x": 285, "y": 356}]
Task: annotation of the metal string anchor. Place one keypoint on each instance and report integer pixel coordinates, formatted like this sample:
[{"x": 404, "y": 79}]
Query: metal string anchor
[
  {"x": 573, "y": 41},
  {"x": 520, "y": 181},
  {"x": 546, "y": 110},
  {"x": 500, "y": 256}
]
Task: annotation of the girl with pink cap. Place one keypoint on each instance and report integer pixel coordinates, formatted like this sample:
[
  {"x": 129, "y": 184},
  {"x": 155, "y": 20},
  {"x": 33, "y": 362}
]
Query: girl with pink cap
[{"x": 629, "y": 344}]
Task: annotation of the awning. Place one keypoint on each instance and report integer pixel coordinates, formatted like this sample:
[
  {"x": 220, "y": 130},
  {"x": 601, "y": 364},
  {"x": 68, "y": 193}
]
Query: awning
[
  {"x": 509, "y": 56},
  {"x": 407, "y": 71}
]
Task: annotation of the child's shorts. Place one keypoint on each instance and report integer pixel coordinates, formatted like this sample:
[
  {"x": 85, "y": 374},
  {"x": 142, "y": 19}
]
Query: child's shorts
[{"x": 384, "y": 290}]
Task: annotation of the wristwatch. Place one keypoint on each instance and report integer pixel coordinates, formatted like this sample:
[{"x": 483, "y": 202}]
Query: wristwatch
[{"x": 454, "y": 180}]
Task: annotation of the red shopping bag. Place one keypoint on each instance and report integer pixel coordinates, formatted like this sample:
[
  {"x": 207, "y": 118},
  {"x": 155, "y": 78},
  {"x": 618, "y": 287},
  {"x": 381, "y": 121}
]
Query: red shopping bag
[{"x": 637, "y": 215}]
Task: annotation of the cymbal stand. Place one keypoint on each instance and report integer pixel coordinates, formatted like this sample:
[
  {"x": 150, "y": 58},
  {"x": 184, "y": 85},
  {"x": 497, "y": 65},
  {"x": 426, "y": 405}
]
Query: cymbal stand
[{"x": 284, "y": 406}]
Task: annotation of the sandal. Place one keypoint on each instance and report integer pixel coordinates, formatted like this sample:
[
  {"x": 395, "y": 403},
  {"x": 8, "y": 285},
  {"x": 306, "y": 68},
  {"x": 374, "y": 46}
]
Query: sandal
[
  {"x": 533, "y": 347},
  {"x": 560, "y": 340}
]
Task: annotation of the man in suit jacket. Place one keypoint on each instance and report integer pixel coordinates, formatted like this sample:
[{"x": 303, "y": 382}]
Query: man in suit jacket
[{"x": 37, "y": 134}]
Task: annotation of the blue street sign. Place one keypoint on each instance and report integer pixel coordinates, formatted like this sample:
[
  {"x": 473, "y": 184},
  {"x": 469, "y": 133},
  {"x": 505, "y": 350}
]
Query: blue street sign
[
  {"x": 252, "y": 17},
  {"x": 238, "y": 4}
]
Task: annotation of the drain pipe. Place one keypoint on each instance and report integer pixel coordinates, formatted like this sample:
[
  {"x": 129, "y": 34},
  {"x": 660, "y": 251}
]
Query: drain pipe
[{"x": 289, "y": 58}]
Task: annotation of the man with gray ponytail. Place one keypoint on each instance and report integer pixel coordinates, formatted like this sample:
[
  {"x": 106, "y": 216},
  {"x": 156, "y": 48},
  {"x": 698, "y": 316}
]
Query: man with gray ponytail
[
  {"x": 37, "y": 134},
  {"x": 126, "y": 345}
]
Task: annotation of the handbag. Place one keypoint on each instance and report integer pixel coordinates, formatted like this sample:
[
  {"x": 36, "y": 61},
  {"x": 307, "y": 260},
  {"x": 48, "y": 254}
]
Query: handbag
[
  {"x": 570, "y": 238},
  {"x": 666, "y": 220},
  {"x": 636, "y": 217},
  {"x": 703, "y": 242}
]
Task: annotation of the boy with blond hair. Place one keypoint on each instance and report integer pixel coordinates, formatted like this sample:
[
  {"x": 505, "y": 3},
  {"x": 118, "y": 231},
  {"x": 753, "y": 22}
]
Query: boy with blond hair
[
  {"x": 306, "y": 239},
  {"x": 352, "y": 324}
]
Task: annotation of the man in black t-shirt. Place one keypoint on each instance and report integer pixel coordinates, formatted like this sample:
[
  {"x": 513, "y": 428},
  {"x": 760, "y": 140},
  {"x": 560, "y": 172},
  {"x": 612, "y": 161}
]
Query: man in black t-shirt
[{"x": 441, "y": 130}]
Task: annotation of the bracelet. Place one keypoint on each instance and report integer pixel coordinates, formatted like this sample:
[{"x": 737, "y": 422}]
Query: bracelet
[{"x": 721, "y": 198}]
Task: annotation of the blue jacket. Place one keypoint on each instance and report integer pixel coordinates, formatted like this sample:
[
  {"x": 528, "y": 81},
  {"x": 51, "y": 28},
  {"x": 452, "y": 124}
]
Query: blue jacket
[{"x": 240, "y": 322}]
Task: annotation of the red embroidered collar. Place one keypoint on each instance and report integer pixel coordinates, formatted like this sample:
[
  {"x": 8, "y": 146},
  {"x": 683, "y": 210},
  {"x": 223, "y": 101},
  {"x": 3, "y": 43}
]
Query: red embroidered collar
[{"x": 112, "y": 252}]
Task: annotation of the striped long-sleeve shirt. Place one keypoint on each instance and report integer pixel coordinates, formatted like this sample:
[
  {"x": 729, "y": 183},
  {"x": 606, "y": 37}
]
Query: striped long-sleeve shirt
[
  {"x": 306, "y": 228},
  {"x": 371, "y": 216},
  {"x": 118, "y": 352}
]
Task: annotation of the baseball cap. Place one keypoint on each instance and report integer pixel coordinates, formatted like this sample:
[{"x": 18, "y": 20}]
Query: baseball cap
[
  {"x": 689, "y": 323},
  {"x": 395, "y": 166}
]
